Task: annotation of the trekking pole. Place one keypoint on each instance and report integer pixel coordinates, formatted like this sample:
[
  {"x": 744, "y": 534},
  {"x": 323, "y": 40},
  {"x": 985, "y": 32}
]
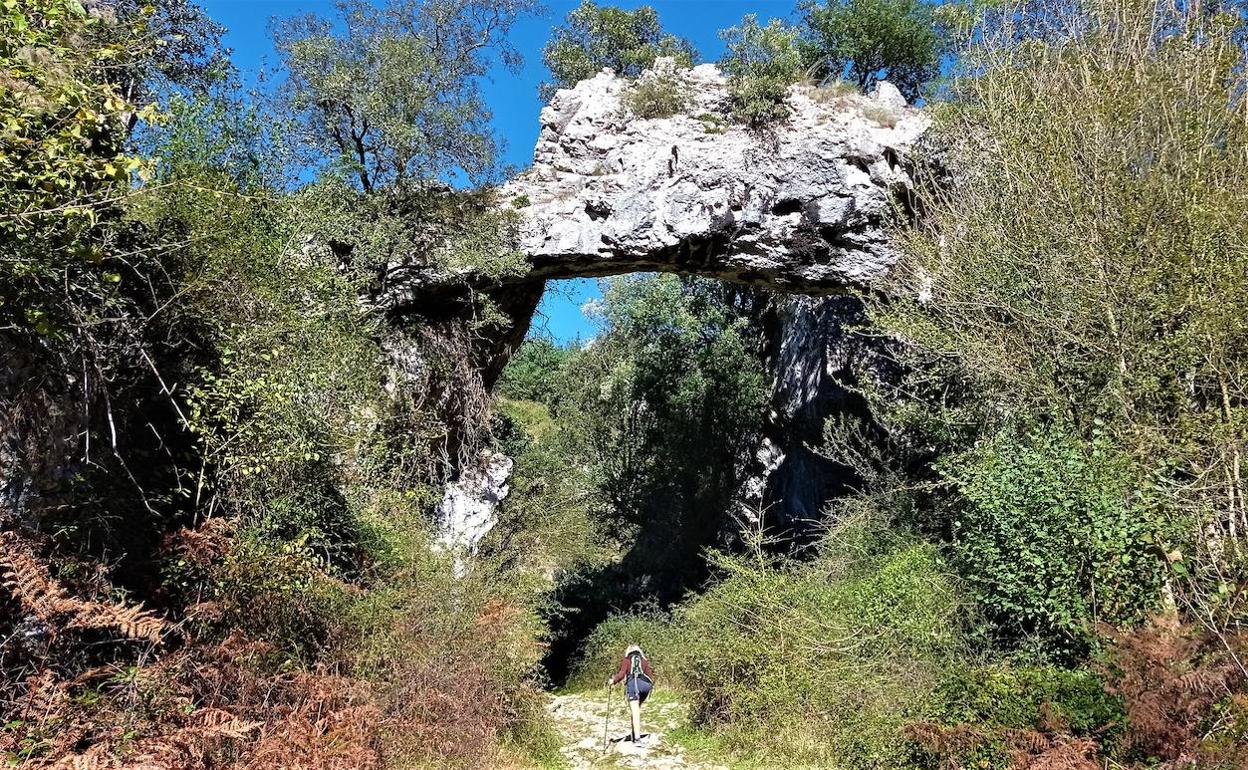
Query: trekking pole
[{"x": 606, "y": 721}]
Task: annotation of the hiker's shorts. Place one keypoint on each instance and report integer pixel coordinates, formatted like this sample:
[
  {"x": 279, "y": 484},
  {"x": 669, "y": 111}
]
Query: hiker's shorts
[{"x": 638, "y": 689}]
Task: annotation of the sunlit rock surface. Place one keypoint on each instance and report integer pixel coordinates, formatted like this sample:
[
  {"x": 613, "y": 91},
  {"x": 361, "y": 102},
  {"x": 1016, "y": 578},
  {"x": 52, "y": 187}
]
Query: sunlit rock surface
[
  {"x": 805, "y": 207},
  {"x": 469, "y": 506},
  {"x": 802, "y": 207}
]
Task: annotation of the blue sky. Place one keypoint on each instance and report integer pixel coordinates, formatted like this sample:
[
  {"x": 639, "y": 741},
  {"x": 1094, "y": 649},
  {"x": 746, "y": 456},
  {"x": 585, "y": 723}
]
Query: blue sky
[{"x": 512, "y": 97}]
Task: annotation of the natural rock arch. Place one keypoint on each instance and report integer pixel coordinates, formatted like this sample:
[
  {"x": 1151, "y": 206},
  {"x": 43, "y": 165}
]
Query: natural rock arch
[{"x": 803, "y": 207}]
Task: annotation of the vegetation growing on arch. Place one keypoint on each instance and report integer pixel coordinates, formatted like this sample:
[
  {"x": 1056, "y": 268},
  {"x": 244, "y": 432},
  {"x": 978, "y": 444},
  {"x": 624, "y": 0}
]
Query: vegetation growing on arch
[
  {"x": 594, "y": 37},
  {"x": 761, "y": 62},
  {"x": 901, "y": 41}
]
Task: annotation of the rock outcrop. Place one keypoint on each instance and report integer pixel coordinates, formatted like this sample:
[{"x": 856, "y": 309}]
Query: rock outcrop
[
  {"x": 800, "y": 208},
  {"x": 821, "y": 357},
  {"x": 469, "y": 504},
  {"x": 804, "y": 207}
]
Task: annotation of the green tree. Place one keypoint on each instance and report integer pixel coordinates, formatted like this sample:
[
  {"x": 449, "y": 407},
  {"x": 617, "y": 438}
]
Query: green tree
[
  {"x": 64, "y": 163},
  {"x": 899, "y": 41},
  {"x": 535, "y": 372},
  {"x": 1086, "y": 268},
  {"x": 392, "y": 95},
  {"x": 594, "y": 36},
  {"x": 761, "y": 62},
  {"x": 657, "y": 416}
]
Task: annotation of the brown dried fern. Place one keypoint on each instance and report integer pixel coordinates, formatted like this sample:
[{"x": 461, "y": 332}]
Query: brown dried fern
[{"x": 34, "y": 588}]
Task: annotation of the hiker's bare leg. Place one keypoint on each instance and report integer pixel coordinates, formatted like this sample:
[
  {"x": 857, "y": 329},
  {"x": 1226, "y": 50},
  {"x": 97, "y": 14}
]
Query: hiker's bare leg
[{"x": 635, "y": 708}]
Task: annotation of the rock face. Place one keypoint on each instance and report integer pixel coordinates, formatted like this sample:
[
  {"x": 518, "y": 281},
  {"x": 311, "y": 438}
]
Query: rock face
[
  {"x": 802, "y": 208},
  {"x": 820, "y": 355},
  {"x": 469, "y": 504}
]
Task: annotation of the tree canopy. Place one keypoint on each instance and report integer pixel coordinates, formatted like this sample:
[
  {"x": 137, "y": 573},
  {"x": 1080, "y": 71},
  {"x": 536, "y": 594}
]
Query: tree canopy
[
  {"x": 391, "y": 95},
  {"x": 868, "y": 40},
  {"x": 596, "y": 36}
]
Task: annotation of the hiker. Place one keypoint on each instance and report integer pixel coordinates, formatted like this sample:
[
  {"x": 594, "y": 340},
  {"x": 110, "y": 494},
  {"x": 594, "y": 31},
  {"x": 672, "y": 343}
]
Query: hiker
[{"x": 638, "y": 678}]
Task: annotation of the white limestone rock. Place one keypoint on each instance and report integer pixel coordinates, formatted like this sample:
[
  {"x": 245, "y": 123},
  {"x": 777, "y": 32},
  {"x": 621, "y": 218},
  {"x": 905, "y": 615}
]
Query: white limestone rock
[
  {"x": 802, "y": 207},
  {"x": 469, "y": 506}
]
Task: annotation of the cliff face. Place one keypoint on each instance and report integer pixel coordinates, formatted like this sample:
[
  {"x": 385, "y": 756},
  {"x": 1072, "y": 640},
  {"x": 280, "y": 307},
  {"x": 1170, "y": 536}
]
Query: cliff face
[{"x": 820, "y": 354}]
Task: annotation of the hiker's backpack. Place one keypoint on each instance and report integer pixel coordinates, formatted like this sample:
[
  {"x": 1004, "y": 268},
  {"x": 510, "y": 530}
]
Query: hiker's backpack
[{"x": 635, "y": 671}]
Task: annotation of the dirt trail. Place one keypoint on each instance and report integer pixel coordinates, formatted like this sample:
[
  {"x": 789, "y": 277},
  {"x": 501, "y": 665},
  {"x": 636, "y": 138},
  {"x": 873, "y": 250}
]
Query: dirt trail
[{"x": 580, "y": 720}]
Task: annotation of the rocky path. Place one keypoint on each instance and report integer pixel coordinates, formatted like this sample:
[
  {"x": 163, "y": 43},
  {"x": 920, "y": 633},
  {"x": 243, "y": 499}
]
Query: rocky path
[{"x": 580, "y": 720}]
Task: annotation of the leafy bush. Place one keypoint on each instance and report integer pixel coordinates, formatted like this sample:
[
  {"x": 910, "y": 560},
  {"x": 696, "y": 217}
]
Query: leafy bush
[
  {"x": 595, "y": 37},
  {"x": 452, "y": 657},
  {"x": 659, "y": 95},
  {"x": 1053, "y": 537},
  {"x": 652, "y": 630},
  {"x": 1002, "y": 695},
  {"x": 549, "y": 523},
  {"x": 823, "y": 661},
  {"x": 868, "y": 40},
  {"x": 761, "y": 63}
]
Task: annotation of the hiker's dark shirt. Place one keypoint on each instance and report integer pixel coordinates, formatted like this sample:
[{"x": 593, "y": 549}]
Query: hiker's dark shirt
[{"x": 626, "y": 665}]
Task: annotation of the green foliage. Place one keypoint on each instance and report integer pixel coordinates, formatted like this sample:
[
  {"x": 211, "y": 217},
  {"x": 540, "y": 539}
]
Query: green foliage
[
  {"x": 549, "y": 522},
  {"x": 1003, "y": 696},
  {"x": 1054, "y": 538},
  {"x": 899, "y": 41},
  {"x": 594, "y": 37},
  {"x": 535, "y": 372},
  {"x": 63, "y": 166},
  {"x": 393, "y": 95},
  {"x": 1085, "y": 276},
  {"x": 656, "y": 420},
  {"x": 650, "y": 629},
  {"x": 452, "y": 655},
  {"x": 661, "y": 96},
  {"x": 821, "y": 662},
  {"x": 761, "y": 63},
  {"x": 293, "y": 362},
  {"x": 666, "y": 400}
]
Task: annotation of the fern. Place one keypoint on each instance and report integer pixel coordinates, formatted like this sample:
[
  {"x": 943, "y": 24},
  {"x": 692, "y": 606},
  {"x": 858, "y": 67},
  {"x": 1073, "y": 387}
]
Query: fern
[{"x": 34, "y": 588}]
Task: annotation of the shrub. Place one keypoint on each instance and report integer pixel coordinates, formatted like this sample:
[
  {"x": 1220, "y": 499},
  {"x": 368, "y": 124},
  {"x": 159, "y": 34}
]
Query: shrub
[
  {"x": 1185, "y": 693},
  {"x": 595, "y": 37},
  {"x": 823, "y": 661},
  {"x": 1001, "y": 695},
  {"x": 760, "y": 63},
  {"x": 652, "y": 630},
  {"x": 1089, "y": 276},
  {"x": 451, "y": 657},
  {"x": 533, "y": 372},
  {"x": 657, "y": 95},
  {"x": 833, "y": 91},
  {"x": 1053, "y": 537}
]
